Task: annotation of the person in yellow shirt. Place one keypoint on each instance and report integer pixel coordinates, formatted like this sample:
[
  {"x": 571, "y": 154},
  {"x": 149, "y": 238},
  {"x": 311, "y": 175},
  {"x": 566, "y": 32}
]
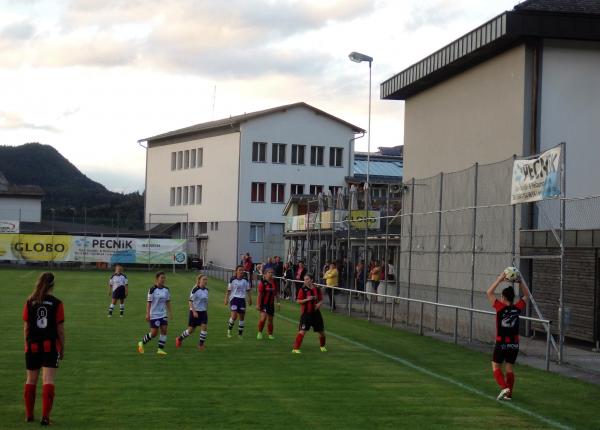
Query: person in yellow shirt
[{"x": 331, "y": 279}]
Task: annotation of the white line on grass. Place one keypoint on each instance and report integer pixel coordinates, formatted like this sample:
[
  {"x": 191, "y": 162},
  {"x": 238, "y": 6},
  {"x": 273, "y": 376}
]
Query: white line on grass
[
  {"x": 428, "y": 372},
  {"x": 26, "y": 275}
]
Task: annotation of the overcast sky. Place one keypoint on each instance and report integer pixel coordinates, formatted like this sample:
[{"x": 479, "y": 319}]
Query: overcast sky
[{"x": 91, "y": 77}]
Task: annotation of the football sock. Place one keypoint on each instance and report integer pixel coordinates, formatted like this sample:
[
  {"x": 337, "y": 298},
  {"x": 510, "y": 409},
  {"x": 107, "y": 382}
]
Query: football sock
[
  {"x": 29, "y": 397},
  {"x": 322, "y": 340},
  {"x": 241, "y": 328},
  {"x": 47, "y": 399},
  {"x": 270, "y": 328},
  {"x": 499, "y": 377},
  {"x": 202, "y": 337},
  {"x": 184, "y": 334},
  {"x": 298, "y": 341},
  {"x": 111, "y": 307},
  {"x": 122, "y": 308},
  {"x": 162, "y": 340},
  {"x": 510, "y": 380},
  {"x": 261, "y": 325},
  {"x": 147, "y": 338},
  {"x": 230, "y": 323}
]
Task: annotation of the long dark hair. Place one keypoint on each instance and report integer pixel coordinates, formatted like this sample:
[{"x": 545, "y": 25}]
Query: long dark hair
[{"x": 43, "y": 285}]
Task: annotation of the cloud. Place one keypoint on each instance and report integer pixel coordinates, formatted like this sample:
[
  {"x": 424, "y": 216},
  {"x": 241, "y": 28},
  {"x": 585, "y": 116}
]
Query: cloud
[
  {"x": 432, "y": 13},
  {"x": 17, "y": 31},
  {"x": 14, "y": 121}
]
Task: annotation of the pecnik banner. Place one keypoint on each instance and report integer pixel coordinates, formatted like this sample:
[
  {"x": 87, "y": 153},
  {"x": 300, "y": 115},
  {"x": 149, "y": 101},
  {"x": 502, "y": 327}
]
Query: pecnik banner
[{"x": 537, "y": 178}]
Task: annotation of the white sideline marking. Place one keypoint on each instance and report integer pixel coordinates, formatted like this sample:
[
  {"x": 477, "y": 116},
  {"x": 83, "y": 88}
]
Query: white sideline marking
[
  {"x": 26, "y": 275},
  {"x": 428, "y": 372}
]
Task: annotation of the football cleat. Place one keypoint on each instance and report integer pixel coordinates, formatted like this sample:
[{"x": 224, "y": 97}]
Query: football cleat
[
  {"x": 229, "y": 334},
  {"x": 296, "y": 351},
  {"x": 45, "y": 421},
  {"x": 323, "y": 349},
  {"x": 178, "y": 342},
  {"x": 201, "y": 347},
  {"x": 503, "y": 393},
  {"x": 271, "y": 337},
  {"x": 259, "y": 336},
  {"x": 141, "y": 347},
  {"x": 161, "y": 352}
]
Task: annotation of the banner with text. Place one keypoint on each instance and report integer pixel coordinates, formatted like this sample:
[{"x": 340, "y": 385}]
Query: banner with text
[
  {"x": 9, "y": 226},
  {"x": 536, "y": 178},
  {"x": 59, "y": 248}
]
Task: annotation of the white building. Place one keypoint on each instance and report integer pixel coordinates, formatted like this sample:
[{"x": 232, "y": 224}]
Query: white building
[
  {"x": 20, "y": 203},
  {"x": 226, "y": 181}
]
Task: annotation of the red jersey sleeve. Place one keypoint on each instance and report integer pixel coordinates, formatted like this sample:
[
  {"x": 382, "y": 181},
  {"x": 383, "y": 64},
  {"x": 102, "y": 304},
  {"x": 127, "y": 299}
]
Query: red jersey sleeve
[
  {"x": 60, "y": 314},
  {"x": 25, "y": 313},
  {"x": 498, "y": 305},
  {"x": 261, "y": 287},
  {"x": 520, "y": 305}
]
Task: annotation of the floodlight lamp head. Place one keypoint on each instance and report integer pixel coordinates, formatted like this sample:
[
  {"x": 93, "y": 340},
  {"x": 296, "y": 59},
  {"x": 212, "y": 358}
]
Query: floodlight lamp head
[{"x": 357, "y": 57}]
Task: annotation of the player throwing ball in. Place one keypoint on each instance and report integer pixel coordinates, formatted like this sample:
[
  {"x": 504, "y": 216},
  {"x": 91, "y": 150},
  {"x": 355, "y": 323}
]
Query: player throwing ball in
[
  {"x": 158, "y": 309},
  {"x": 237, "y": 292},
  {"x": 198, "y": 312},
  {"x": 268, "y": 292},
  {"x": 118, "y": 287},
  {"x": 44, "y": 332},
  {"x": 506, "y": 347},
  {"x": 310, "y": 299}
]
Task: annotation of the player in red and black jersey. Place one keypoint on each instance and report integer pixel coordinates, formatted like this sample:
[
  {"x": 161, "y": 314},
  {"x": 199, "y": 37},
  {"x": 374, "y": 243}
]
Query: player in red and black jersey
[
  {"x": 310, "y": 298},
  {"x": 268, "y": 291},
  {"x": 506, "y": 347},
  {"x": 43, "y": 316}
]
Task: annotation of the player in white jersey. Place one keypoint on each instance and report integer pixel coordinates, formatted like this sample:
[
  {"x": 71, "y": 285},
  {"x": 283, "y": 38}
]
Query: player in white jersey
[
  {"x": 237, "y": 291},
  {"x": 118, "y": 288},
  {"x": 158, "y": 310},
  {"x": 198, "y": 312}
]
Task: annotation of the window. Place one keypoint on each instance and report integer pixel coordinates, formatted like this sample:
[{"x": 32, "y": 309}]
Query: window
[
  {"x": 179, "y": 160},
  {"x": 192, "y": 158},
  {"x": 186, "y": 159},
  {"x": 178, "y": 200},
  {"x": 316, "y": 155},
  {"x": 335, "y": 157},
  {"x": 214, "y": 226},
  {"x": 173, "y": 160},
  {"x": 335, "y": 190},
  {"x": 199, "y": 157},
  {"x": 259, "y": 152},
  {"x": 277, "y": 193},
  {"x": 257, "y": 232},
  {"x": 298, "y": 154},
  {"x": 278, "y": 155},
  {"x": 198, "y": 194},
  {"x": 258, "y": 192},
  {"x": 297, "y": 189},
  {"x": 202, "y": 227},
  {"x": 316, "y": 189},
  {"x": 192, "y": 195},
  {"x": 172, "y": 197},
  {"x": 185, "y": 195}
]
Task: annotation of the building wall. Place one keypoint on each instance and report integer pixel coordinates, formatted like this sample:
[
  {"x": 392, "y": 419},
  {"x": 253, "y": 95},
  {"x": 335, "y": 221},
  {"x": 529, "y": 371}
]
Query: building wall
[
  {"x": 476, "y": 116},
  {"x": 272, "y": 244},
  {"x": 570, "y": 105},
  {"x": 25, "y": 209},
  {"x": 218, "y": 177},
  {"x": 296, "y": 126},
  {"x": 221, "y": 245}
]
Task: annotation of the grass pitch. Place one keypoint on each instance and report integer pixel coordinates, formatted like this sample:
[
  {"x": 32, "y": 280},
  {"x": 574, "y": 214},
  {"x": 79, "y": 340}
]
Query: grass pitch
[{"x": 372, "y": 376}]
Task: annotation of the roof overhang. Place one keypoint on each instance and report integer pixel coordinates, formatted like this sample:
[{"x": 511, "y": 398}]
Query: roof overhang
[{"x": 497, "y": 35}]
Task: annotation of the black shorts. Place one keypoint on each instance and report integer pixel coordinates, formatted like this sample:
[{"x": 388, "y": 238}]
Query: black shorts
[
  {"x": 195, "y": 322},
  {"x": 314, "y": 320},
  {"x": 268, "y": 309},
  {"x": 119, "y": 293},
  {"x": 36, "y": 360},
  {"x": 505, "y": 352}
]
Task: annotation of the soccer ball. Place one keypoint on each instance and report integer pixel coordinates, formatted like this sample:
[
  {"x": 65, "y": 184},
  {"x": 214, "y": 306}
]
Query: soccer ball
[{"x": 512, "y": 274}]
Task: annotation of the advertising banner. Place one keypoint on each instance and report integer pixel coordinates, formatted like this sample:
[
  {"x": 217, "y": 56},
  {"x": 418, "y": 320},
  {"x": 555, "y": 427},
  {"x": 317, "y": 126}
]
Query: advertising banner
[
  {"x": 360, "y": 219},
  {"x": 9, "y": 226},
  {"x": 536, "y": 178},
  {"x": 30, "y": 247}
]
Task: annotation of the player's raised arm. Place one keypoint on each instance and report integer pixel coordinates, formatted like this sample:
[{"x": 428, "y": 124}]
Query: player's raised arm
[
  {"x": 491, "y": 291},
  {"x": 524, "y": 289}
]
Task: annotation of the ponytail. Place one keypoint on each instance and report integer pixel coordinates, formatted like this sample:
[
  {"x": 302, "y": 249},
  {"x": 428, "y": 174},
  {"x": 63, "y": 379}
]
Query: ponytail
[{"x": 43, "y": 285}]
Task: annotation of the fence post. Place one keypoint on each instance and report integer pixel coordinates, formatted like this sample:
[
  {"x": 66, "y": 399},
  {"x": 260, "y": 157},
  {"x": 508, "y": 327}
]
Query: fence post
[
  {"x": 410, "y": 239},
  {"x": 548, "y": 341},
  {"x": 421, "y": 319},
  {"x": 473, "y": 250},
  {"x": 455, "y": 325},
  {"x": 561, "y": 308},
  {"x": 369, "y": 314},
  {"x": 385, "y": 253},
  {"x": 392, "y": 316},
  {"x": 439, "y": 252}
]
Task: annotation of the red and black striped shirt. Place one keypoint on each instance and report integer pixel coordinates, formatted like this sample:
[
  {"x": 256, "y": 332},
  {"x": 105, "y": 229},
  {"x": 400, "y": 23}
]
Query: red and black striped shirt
[
  {"x": 507, "y": 321},
  {"x": 42, "y": 324},
  {"x": 267, "y": 291},
  {"x": 305, "y": 293}
]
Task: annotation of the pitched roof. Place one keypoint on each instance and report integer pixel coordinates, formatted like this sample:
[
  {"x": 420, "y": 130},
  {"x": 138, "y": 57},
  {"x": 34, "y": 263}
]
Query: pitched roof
[
  {"x": 8, "y": 189},
  {"x": 529, "y": 20},
  {"x": 235, "y": 121}
]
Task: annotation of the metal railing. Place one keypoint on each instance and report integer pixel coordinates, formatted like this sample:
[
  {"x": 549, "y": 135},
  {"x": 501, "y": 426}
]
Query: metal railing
[{"x": 368, "y": 298}]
